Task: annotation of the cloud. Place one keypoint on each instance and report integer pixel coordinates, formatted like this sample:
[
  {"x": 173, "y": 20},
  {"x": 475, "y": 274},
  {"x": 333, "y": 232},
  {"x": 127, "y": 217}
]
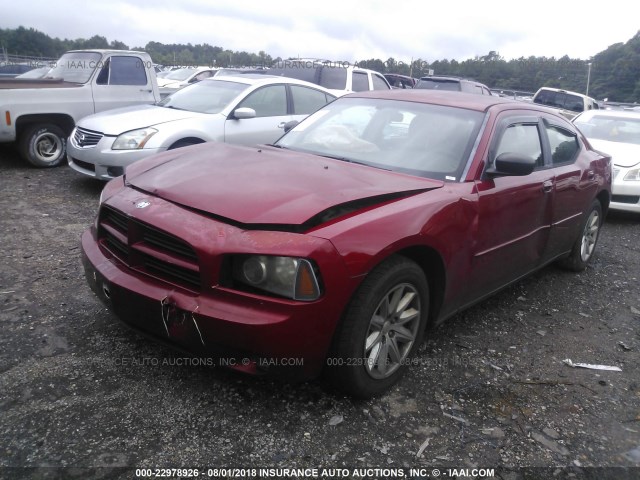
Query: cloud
[{"x": 338, "y": 30}]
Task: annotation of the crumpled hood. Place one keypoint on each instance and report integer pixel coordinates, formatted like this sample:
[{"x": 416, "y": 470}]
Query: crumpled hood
[
  {"x": 267, "y": 185},
  {"x": 120, "y": 120},
  {"x": 622, "y": 154}
]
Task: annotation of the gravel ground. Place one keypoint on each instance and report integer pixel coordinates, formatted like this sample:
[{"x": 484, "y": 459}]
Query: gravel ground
[{"x": 83, "y": 395}]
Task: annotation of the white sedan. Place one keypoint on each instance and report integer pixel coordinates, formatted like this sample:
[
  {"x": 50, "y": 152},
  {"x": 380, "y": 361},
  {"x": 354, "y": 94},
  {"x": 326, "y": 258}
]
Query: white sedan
[
  {"x": 617, "y": 133},
  {"x": 246, "y": 110}
]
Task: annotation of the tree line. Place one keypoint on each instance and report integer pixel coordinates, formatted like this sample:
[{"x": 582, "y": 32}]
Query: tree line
[{"x": 613, "y": 74}]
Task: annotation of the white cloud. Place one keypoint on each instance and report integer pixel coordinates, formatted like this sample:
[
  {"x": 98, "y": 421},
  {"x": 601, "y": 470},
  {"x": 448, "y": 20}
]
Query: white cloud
[{"x": 339, "y": 30}]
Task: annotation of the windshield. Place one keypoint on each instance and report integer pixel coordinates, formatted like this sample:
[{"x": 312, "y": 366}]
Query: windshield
[
  {"x": 207, "y": 96},
  {"x": 75, "y": 67},
  {"x": 610, "y": 128},
  {"x": 415, "y": 138},
  {"x": 181, "y": 74}
]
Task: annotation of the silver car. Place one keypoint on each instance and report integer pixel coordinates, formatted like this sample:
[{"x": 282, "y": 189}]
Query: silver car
[{"x": 247, "y": 110}]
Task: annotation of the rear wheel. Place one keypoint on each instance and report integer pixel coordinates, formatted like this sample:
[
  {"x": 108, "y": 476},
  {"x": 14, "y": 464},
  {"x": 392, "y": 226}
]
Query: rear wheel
[
  {"x": 585, "y": 245},
  {"x": 43, "y": 145},
  {"x": 381, "y": 329}
]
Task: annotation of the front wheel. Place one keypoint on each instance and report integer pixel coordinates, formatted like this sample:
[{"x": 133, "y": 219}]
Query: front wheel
[
  {"x": 585, "y": 245},
  {"x": 43, "y": 145},
  {"x": 381, "y": 329}
]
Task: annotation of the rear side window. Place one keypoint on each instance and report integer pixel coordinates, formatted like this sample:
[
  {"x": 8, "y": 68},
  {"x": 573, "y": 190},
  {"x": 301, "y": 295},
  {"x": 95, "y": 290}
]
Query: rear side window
[
  {"x": 122, "y": 71},
  {"x": 564, "y": 145},
  {"x": 307, "y": 100},
  {"x": 360, "y": 82}
]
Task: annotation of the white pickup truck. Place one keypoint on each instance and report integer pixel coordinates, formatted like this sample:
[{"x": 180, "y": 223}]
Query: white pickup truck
[{"x": 40, "y": 114}]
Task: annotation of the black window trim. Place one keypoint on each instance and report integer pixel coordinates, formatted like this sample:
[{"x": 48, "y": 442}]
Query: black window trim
[{"x": 548, "y": 123}]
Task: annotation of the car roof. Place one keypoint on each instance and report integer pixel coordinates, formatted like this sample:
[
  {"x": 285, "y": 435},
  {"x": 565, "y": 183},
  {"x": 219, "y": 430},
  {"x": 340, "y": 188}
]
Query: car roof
[
  {"x": 437, "y": 77},
  {"x": 611, "y": 113},
  {"x": 105, "y": 51},
  {"x": 260, "y": 78},
  {"x": 469, "y": 101},
  {"x": 562, "y": 90}
]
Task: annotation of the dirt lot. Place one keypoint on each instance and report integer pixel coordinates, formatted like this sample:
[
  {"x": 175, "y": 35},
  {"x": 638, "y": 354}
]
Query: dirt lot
[{"x": 490, "y": 390}]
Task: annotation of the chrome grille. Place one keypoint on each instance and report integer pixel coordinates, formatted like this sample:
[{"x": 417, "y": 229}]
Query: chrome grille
[
  {"x": 147, "y": 249},
  {"x": 86, "y": 138}
]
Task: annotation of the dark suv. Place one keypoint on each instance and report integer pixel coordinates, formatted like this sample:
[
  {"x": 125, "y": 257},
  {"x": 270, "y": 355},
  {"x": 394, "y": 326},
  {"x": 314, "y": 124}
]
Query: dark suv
[{"x": 453, "y": 84}]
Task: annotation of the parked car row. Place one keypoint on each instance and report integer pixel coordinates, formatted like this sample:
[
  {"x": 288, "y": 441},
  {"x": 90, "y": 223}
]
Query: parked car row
[
  {"x": 618, "y": 134},
  {"x": 316, "y": 225}
]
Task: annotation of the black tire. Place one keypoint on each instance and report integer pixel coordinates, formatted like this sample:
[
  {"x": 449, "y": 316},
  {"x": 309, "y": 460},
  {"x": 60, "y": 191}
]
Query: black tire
[
  {"x": 43, "y": 145},
  {"x": 585, "y": 244},
  {"x": 370, "y": 331}
]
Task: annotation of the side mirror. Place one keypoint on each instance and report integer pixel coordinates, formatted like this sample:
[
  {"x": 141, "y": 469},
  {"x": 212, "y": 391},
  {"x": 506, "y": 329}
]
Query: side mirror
[
  {"x": 512, "y": 164},
  {"x": 290, "y": 124},
  {"x": 241, "y": 113}
]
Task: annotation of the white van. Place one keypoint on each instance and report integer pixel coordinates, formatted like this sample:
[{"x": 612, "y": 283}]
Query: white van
[{"x": 569, "y": 104}]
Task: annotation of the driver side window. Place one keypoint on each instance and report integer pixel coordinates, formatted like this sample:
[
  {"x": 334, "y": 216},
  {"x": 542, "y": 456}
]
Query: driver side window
[
  {"x": 522, "y": 139},
  {"x": 268, "y": 101}
]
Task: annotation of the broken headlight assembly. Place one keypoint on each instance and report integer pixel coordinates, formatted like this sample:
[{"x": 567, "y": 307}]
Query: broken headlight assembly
[{"x": 289, "y": 277}]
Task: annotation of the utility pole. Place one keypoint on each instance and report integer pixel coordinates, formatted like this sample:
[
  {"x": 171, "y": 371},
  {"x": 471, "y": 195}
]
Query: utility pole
[{"x": 588, "y": 78}]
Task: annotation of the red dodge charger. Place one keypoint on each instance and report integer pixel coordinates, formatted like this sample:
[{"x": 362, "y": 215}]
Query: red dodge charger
[{"x": 332, "y": 250}]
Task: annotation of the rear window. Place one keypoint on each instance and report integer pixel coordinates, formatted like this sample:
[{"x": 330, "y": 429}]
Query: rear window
[
  {"x": 431, "y": 84},
  {"x": 378, "y": 82},
  {"x": 75, "y": 67},
  {"x": 301, "y": 72},
  {"x": 564, "y": 100}
]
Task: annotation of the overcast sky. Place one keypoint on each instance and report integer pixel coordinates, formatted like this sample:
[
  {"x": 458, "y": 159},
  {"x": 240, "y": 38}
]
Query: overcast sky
[{"x": 341, "y": 29}]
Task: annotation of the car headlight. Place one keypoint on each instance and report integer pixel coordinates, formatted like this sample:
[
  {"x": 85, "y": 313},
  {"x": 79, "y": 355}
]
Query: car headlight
[
  {"x": 290, "y": 277},
  {"x": 633, "y": 175},
  {"x": 134, "y": 139}
]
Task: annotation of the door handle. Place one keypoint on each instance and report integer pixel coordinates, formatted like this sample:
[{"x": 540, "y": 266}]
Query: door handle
[
  {"x": 145, "y": 90},
  {"x": 547, "y": 186}
]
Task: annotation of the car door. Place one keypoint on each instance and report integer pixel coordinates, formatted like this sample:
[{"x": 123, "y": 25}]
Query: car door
[
  {"x": 575, "y": 184},
  {"x": 514, "y": 212},
  {"x": 270, "y": 105},
  {"x": 121, "y": 81}
]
